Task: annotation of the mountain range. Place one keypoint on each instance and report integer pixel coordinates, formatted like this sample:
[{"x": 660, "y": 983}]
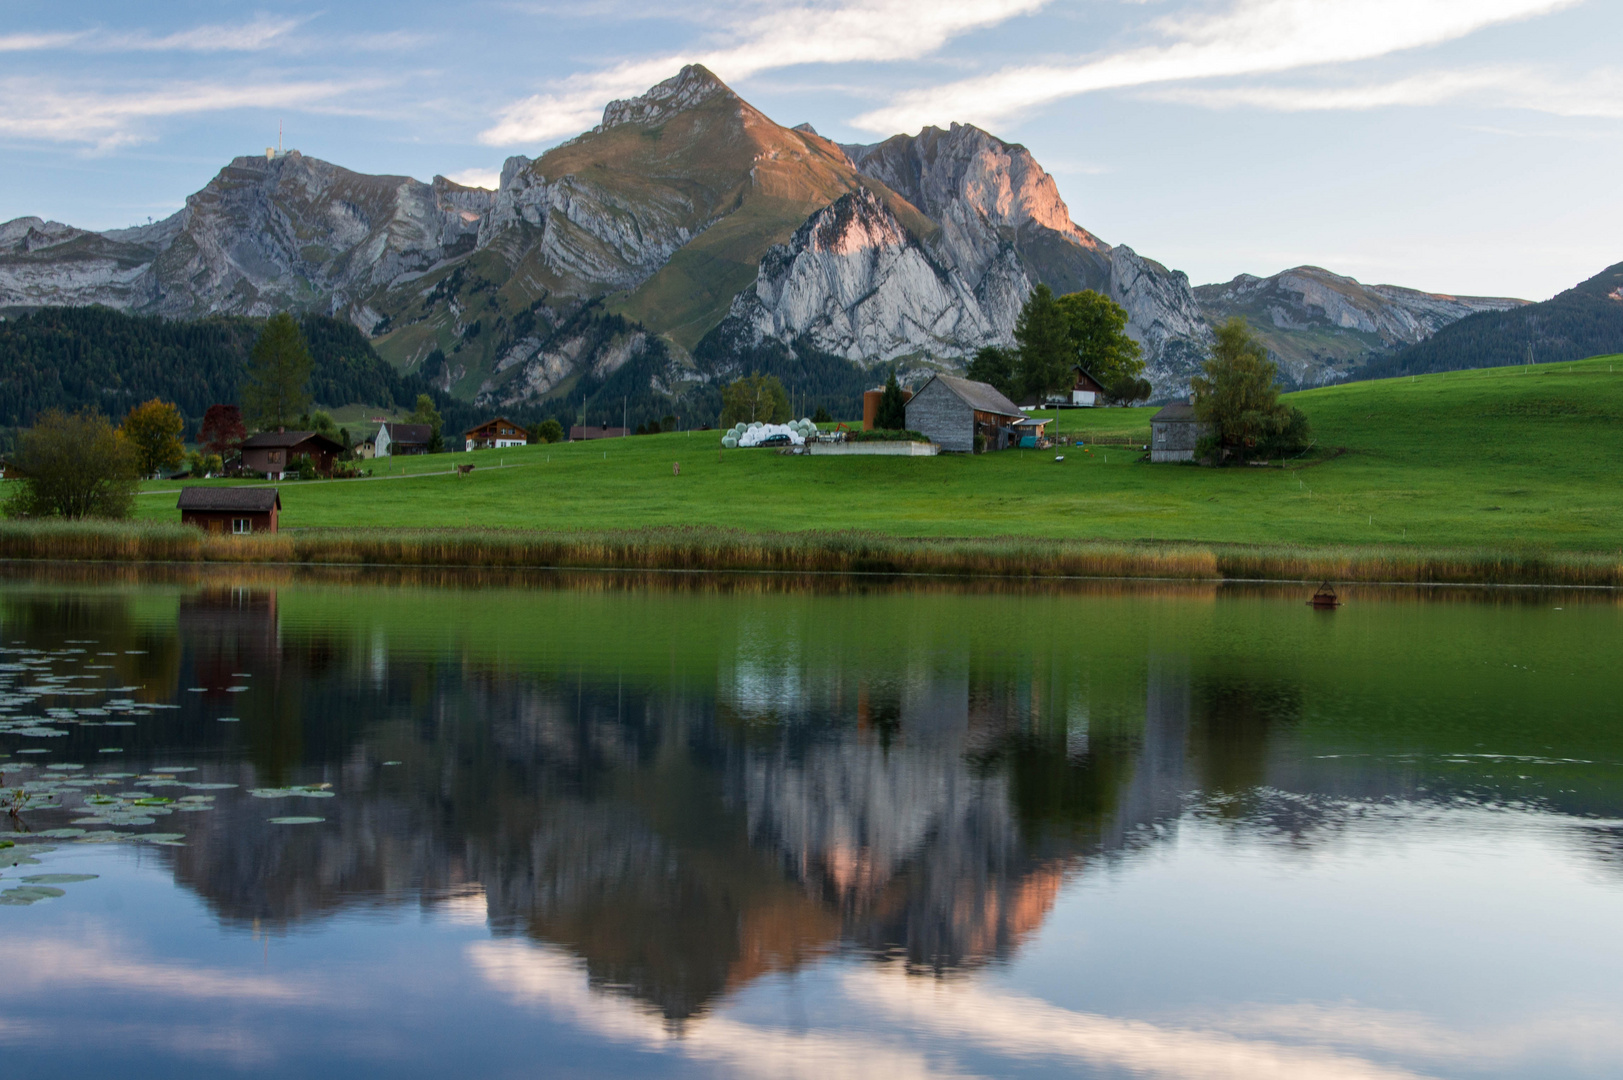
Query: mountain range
[{"x": 686, "y": 238}]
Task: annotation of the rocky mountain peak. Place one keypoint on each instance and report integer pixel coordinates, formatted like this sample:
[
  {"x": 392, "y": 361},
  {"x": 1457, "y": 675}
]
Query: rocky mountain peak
[
  {"x": 692, "y": 86},
  {"x": 939, "y": 171}
]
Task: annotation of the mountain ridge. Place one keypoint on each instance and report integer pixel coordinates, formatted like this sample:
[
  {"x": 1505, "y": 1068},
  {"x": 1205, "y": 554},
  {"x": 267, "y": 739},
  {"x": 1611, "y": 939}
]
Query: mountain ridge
[{"x": 676, "y": 240}]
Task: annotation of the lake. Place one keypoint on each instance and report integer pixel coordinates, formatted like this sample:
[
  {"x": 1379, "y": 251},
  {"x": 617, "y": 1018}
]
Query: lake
[{"x": 290, "y": 824}]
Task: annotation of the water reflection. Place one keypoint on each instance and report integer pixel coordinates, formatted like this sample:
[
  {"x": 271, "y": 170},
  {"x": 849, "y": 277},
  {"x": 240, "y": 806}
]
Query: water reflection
[{"x": 678, "y": 820}]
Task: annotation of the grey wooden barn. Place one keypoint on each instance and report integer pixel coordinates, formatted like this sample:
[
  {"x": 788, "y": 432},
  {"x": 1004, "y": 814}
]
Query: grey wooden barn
[
  {"x": 1174, "y": 433},
  {"x": 951, "y": 411}
]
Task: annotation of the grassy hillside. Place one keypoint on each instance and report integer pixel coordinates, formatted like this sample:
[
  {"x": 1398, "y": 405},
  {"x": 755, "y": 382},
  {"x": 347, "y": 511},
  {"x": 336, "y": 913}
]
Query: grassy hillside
[{"x": 1517, "y": 457}]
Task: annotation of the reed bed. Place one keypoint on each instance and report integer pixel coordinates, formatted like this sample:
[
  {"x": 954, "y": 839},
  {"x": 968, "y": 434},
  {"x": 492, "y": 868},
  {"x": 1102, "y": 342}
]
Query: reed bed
[{"x": 727, "y": 550}]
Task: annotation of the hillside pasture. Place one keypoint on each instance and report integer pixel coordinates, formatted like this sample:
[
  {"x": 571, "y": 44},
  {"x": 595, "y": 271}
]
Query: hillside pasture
[{"x": 1512, "y": 458}]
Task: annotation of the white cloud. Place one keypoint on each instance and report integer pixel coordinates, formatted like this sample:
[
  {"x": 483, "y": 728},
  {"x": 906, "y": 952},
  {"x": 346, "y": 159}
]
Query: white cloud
[
  {"x": 841, "y": 32},
  {"x": 1598, "y": 94},
  {"x": 481, "y": 178},
  {"x": 1253, "y": 37},
  {"x": 262, "y": 33},
  {"x": 53, "y": 964},
  {"x": 38, "y": 109}
]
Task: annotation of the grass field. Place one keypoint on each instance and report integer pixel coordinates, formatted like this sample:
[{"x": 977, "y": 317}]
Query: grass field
[{"x": 1509, "y": 458}]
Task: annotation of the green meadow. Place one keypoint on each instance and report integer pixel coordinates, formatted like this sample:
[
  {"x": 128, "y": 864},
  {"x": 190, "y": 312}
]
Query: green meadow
[{"x": 1526, "y": 457}]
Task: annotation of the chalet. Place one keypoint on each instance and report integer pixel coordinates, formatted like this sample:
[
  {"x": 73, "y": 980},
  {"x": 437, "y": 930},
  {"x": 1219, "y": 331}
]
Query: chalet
[
  {"x": 400, "y": 440},
  {"x": 1175, "y": 431},
  {"x": 586, "y": 431},
  {"x": 1085, "y": 393},
  {"x": 497, "y": 434},
  {"x": 955, "y": 413},
  {"x": 274, "y": 453},
  {"x": 238, "y": 510}
]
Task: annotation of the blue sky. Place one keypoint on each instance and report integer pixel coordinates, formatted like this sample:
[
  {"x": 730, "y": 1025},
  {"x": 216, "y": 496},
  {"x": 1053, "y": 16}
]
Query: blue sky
[{"x": 1468, "y": 146}]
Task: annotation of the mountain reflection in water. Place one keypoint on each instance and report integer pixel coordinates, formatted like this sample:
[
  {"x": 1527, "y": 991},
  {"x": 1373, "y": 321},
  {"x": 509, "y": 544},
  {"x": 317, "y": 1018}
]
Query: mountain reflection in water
[{"x": 685, "y": 809}]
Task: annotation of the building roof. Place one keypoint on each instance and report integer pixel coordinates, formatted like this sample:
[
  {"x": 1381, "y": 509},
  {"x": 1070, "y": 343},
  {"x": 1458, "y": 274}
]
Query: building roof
[
  {"x": 410, "y": 433},
  {"x": 275, "y": 440},
  {"x": 1178, "y": 412},
  {"x": 982, "y": 397},
  {"x": 492, "y": 422},
  {"x": 224, "y": 499}
]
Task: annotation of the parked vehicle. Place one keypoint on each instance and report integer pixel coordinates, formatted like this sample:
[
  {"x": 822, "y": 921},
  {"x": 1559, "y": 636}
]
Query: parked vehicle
[{"x": 780, "y": 439}]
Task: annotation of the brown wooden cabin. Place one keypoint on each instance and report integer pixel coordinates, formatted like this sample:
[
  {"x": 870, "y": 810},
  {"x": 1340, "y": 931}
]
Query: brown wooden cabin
[
  {"x": 587, "y": 431},
  {"x": 495, "y": 434},
  {"x": 239, "y": 510},
  {"x": 273, "y": 453}
]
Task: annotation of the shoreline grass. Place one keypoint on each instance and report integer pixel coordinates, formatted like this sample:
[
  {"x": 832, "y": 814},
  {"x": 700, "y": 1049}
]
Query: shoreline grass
[{"x": 704, "y": 549}]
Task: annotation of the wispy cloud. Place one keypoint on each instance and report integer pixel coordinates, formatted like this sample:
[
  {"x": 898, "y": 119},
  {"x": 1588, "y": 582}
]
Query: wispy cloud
[
  {"x": 481, "y": 178},
  {"x": 1253, "y": 37},
  {"x": 842, "y": 32},
  {"x": 1597, "y": 94},
  {"x": 43, "y": 110},
  {"x": 261, "y": 33}
]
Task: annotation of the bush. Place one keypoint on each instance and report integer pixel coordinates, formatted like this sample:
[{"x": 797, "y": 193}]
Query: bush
[
  {"x": 305, "y": 467},
  {"x": 74, "y": 466},
  {"x": 549, "y": 431},
  {"x": 887, "y": 435}
]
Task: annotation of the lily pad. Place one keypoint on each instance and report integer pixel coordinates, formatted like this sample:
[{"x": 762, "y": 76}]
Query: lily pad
[
  {"x": 34, "y": 750},
  {"x": 159, "y": 837},
  {"x": 60, "y": 834},
  {"x": 229, "y": 719},
  {"x": 297, "y": 820},
  {"x": 209, "y": 787},
  {"x": 58, "y": 879},
  {"x": 111, "y": 750},
  {"x": 29, "y": 894}
]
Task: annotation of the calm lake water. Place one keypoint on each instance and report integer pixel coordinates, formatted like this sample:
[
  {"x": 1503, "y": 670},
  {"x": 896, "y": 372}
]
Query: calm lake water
[{"x": 325, "y": 826}]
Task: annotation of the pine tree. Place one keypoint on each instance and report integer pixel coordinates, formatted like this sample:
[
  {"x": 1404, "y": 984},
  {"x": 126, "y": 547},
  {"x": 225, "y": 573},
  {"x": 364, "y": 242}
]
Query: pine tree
[
  {"x": 892, "y": 412},
  {"x": 277, "y": 387},
  {"x": 1046, "y": 350}
]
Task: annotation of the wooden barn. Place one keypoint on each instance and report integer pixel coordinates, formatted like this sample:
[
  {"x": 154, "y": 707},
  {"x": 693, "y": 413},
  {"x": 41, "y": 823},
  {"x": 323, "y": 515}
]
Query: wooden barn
[
  {"x": 951, "y": 412},
  {"x": 495, "y": 434},
  {"x": 239, "y": 510},
  {"x": 274, "y": 453},
  {"x": 1175, "y": 432}
]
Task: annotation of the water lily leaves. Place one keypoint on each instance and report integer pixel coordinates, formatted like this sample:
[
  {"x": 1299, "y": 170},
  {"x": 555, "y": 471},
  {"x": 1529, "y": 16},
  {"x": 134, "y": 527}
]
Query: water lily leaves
[
  {"x": 159, "y": 837},
  {"x": 229, "y": 719},
  {"x": 208, "y": 787},
  {"x": 297, "y": 820},
  {"x": 28, "y": 894},
  {"x": 60, "y": 834},
  {"x": 310, "y": 792},
  {"x": 63, "y": 766},
  {"x": 153, "y": 800},
  {"x": 58, "y": 879},
  {"x": 16, "y": 856}
]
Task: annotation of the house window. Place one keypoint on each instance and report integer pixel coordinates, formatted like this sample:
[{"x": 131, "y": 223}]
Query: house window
[{"x": 241, "y": 525}]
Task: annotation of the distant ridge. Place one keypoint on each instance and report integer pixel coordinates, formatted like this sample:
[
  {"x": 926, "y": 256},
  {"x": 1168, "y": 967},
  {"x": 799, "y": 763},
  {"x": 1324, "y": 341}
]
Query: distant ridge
[{"x": 1586, "y": 320}]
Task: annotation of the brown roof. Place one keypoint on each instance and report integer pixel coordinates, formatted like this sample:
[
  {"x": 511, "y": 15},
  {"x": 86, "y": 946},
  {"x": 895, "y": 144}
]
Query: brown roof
[
  {"x": 492, "y": 422},
  {"x": 410, "y": 433},
  {"x": 982, "y": 397},
  {"x": 273, "y": 440},
  {"x": 223, "y": 499},
  {"x": 1178, "y": 412}
]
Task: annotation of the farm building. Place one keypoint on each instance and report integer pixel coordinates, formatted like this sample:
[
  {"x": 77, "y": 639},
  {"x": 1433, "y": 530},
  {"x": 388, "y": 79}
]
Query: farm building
[
  {"x": 1174, "y": 433},
  {"x": 239, "y": 510},
  {"x": 1085, "y": 393},
  {"x": 951, "y": 412},
  {"x": 496, "y": 434},
  {"x": 587, "y": 431},
  {"x": 274, "y": 453},
  {"x": 399, "y": 440}
]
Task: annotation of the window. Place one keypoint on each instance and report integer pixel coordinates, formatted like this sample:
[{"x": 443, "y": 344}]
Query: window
[{"x": 241, "y": 525}]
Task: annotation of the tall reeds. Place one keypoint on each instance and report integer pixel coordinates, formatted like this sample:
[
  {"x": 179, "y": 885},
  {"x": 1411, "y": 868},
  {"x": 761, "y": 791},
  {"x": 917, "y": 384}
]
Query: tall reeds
[{"x": 724, "y": 550}]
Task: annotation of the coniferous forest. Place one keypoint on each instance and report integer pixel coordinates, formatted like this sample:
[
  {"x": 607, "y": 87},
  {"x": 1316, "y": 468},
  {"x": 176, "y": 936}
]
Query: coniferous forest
[{"x": 71, "y": 357}]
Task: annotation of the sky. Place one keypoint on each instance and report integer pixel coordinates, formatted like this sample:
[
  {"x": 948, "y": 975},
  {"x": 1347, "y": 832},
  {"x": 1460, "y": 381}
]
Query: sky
[{"x": 1458, "y": 146}]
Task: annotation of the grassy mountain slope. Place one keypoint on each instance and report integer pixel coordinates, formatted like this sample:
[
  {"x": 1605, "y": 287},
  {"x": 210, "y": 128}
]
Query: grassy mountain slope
[
  {"x": 1514, "y": 458},
  {"x": 1586, "y": 320}
]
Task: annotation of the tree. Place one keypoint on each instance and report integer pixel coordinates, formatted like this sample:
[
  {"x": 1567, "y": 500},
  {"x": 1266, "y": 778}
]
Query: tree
[
  {"x": 1127, "y": 390},
  {"x": 1046, "y": 351},
  {"x": 752, "y": 398},
  {"x": 549, "y": 431},
  {"x": 426, "y": 413},
  {"x": 997, "y": 367},
  {"x": 1098, "y": 330},
  {"x": 322, "y": 424},
  {"x": 276, "y": 389},
  {"x": 1237, "y": 394},
  {"x": 74, "y": 466},
  {"x": 222, "y": 431},
  {"x": 821, "y": 416},
  {"x": 892, "y": 412},
  {"x": 153, "y": 431}
]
